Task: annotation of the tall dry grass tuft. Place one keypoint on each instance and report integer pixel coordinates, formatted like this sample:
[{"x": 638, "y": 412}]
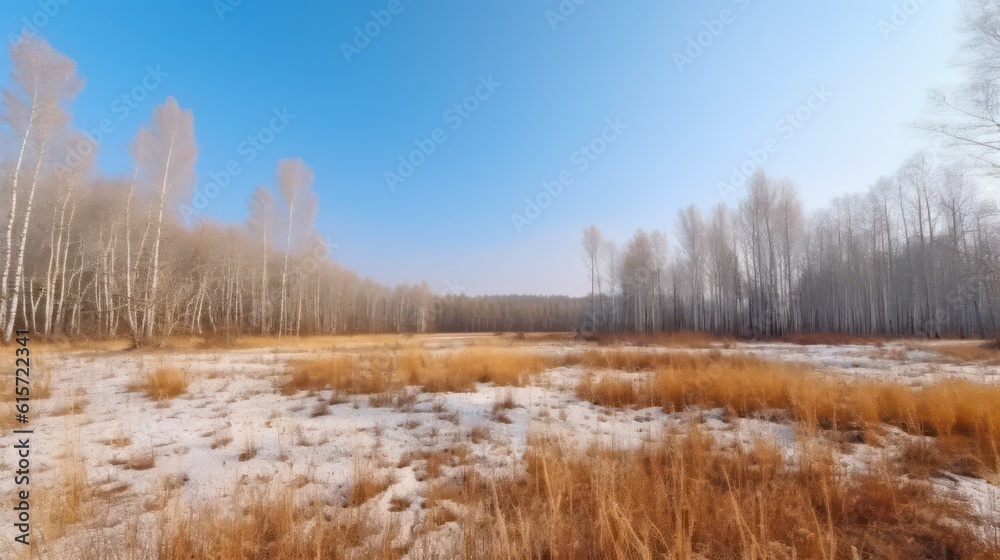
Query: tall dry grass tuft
[
  {"x": 981, "y": 352},
  {"x": 410, "y": 362},
  {"x": 342, "y": 373},
  {"x": 70, "y": 499},
  {"x": 683, "y": 339},
  {"x": 273, "y": 525},
  {"x": 624, "y": 359},
  {"x": 365, "y": 484},
  {"x": 40, "y": 384},
  {"x": 460, "y": 371},
  {"x": 608, "y": 390},
  {"x": 387, "y": 372},
  {"x": 163, "y": 383},
  {"x": 687, "y": 498}
]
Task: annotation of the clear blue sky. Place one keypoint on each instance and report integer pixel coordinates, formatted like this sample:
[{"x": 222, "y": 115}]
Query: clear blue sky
[{"x": 450, "y": 222}]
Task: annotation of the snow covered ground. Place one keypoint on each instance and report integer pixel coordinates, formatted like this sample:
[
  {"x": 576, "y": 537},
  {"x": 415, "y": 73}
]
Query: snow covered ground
[
  {"x": 915, "y": 363},
  {"x": 199, "y": 445}
]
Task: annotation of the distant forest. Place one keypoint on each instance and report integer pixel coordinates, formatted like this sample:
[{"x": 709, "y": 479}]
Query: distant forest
[{"x": 87, "y": 255}]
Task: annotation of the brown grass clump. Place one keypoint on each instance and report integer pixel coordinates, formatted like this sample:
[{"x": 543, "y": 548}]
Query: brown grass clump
[
  {"x": 74, "y": 406},
  {"x": 682, "y": 339},
  {"x": 686, "y": 498},
  {"x": 385, "y": 374},
  {"x": 273, "y": 526},
  {"x": 460, "y": 371},
  {"x": 411, "y": 362},
  {"x": 249, "y": 449},
  {"x": 163, "y": 384},
  {"x": 435, "y": 460},
  {"x": 70, "y": 500},
  {"x": 40, "y": 382},
  {"x": 607, "y": 390},
  {"x": 924, "y": 458},
  {"x": 623, "y": 360},
  {"x": 141, "y": 461},
  {"x": 365, "y": 484},
  {"x": 344, "y": 374},
  {"x": 987, "y": 353}
]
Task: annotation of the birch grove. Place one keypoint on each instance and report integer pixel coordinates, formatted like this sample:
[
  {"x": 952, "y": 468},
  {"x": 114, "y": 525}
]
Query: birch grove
[
  {"x": 89, "y": 255},
  {"x": 918, "y": 253},
  {"x": 914, "y": 255}
]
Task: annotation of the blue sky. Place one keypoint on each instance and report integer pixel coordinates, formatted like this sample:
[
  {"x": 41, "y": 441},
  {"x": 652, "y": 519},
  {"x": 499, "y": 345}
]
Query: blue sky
[{"x": 557, "y": 73}]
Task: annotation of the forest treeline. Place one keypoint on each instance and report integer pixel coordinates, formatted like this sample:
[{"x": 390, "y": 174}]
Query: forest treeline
[
  {"x": 918, "y": 253},
  {"x": 87, "y": 254}
]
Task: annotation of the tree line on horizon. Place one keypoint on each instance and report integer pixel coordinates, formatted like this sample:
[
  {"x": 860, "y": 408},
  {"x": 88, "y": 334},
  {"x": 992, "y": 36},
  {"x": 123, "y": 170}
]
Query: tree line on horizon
[
  {"x": 89, "y": 255},
  {"x": 85, "y": 254},
  {"x": 918, "y": 253}
]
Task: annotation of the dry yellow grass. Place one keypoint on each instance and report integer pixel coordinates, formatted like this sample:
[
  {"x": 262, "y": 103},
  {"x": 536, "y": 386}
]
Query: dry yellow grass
[
  {"x": 976, "y": 352},
  {"x": 40, "y": 380},
  {"x": 954, "y": 409},
  {"x": 365, "y": 484},
  {"x": 683, "y": 339},
  {"x": 68, "y": 500},
  {"x": 163, "y": 383},
  {"x": 430, "y": 463},
  {"x": 342, "y": 373},
  {"x": 686, "y": 498},
  {"x": 298, "y": 342},
  {"x": 608, "y": 390},
  {"x": 387, "y": 373},
  {"x": 273, "y": 526},
  {"x": 410, "y": 362},
  {"x": 682, "y": 497},
  {"x": 461, "y": 370},
  {"x": 41, "y": 346},
  {"x": 623, "y": 359}
]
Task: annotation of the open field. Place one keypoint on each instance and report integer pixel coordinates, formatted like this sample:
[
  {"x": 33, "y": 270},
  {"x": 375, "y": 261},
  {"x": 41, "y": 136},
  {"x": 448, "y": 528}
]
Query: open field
[{"x": 537, "y": 446}]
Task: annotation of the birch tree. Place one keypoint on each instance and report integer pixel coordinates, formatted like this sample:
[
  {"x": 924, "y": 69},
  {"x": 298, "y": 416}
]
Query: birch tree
[
  {"x": 294, "y": 181},
  {"x": 261, "y": 223},
  {"x": 45, "y": 82},
  {"x": 165, "y": 156},
  {"x": 591, "y": 243}
]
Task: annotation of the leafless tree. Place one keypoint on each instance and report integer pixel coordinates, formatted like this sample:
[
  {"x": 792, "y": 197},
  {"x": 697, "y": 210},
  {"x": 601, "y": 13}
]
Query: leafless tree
[
  {"x": 165, "y": 156},
  {"x": 45, "y": 81}
]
